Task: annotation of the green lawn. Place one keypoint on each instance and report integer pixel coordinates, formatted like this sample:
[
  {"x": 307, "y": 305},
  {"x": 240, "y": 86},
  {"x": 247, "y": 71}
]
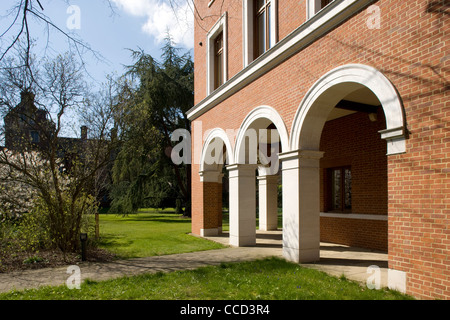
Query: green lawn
[
  {"x": 268, "y": 279},
  {"x": 150, "y": 232}
]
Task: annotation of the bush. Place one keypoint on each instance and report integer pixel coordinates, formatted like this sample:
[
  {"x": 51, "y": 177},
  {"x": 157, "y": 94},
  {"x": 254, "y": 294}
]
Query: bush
[{"x": 32, "y": 231}]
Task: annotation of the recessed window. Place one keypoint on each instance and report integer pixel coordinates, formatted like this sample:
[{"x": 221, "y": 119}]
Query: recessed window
[
  {"x": 340, "y": 189},
  {"x": 315, "y": 6},
  {"x": 260, "y": 27},
  {"x": 34, "y": 136},
  {"x": 324, "y": 3},
  {"x": 218, "y": 61},
  {"x": 217, "y": 54}
]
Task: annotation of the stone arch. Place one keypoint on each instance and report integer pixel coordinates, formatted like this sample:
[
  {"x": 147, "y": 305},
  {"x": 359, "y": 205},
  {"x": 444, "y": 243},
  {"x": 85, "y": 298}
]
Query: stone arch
[
  {"x": 334, "y": 86},
  {"x": 260, "y": 117},
  {"x": 215, "y": 138}
]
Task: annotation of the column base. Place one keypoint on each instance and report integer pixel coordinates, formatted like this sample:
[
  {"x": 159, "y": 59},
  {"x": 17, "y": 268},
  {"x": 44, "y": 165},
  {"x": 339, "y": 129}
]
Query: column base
[
  {"x": 301, "y": 255},
  {"x": 210, "y": 232},
  {"x": 242, "y": 241}
]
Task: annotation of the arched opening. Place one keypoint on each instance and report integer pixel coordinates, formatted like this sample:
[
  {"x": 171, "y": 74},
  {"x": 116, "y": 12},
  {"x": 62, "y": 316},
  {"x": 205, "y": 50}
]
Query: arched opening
[
  {"x": 343, "y": 98},
  {"x": 255, "y": 177},
  {"x": 353, "y": 174},
  {"x": 216, "y": 155}
]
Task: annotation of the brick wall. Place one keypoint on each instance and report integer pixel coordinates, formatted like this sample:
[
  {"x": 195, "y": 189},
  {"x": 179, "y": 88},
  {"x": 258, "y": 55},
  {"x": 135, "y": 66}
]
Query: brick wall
[
  {"x": 354, "y": 141},
  {"x": 411, "y": 49}
]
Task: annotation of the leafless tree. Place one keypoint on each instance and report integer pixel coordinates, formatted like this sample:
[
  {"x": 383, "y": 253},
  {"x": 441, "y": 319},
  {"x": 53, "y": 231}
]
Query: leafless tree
[{"x": 62, "y": 171}]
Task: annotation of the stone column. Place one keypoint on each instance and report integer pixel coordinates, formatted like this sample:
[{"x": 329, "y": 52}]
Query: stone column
[
  {"x": 268, "y": 202},
  {"x": 242, "y": 205},
  {"x": 212, "y": 203},
  {"x": 301, "y": 205}
]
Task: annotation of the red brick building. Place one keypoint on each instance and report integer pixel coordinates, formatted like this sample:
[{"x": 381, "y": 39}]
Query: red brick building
[{"x": 349, "y": 100}]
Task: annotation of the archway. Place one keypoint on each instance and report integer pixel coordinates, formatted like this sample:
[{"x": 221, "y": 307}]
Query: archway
[
  {"x": 216, "y": 153},
  {"x": 260, "y": 138},
  {"x": 301, "y": 165}
]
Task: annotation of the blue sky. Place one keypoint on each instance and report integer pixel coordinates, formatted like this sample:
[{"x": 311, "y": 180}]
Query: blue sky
[{"x": 130, "y": 24}]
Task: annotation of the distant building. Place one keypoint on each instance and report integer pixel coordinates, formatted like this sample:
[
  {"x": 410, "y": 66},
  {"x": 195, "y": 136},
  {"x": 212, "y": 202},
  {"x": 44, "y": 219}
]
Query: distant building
[{"x": 27, "y": 127}]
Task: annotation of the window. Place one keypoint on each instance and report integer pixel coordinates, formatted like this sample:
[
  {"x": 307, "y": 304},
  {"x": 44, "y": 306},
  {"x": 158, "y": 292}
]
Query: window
[
  {"x": 217, "y": 54},
  {"x": 324, "y": 3},
  {"x": 260, "y": 27},
  {"x": 315, "y": 6},
  {"x": 340, "y": 189},
  {"x": 218, "y": 61},
  {"x": 34, "y": 136}
]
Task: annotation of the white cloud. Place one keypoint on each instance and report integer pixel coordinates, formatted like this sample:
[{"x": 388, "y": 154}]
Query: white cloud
[{"x": 162, "y": 17}]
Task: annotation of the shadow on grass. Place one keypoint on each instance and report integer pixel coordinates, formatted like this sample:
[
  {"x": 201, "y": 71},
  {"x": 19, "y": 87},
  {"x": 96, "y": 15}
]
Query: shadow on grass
[
  {"x": 112, "y": 241},
  {"x": 159, "y": 219}
]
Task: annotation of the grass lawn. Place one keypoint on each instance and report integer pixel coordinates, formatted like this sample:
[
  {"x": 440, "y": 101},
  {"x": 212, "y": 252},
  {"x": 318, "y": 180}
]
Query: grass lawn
[
  {"x": 268, "y": 279},
  {"x": 150, "y": 232}
]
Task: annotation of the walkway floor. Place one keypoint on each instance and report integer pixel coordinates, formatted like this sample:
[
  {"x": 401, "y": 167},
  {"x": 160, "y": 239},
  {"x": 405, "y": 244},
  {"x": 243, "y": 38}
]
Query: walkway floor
[{"x": 335, "y": 259}]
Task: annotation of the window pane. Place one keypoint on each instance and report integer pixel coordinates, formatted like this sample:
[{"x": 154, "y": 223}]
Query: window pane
[
  {"x": 259, "y": 4},
  {"x": 261, "y": 33},
  {"x": 268, "y": 28},
  {"x": 347, "y": 189},
  {"x": 218, "y": 61},
  {"x": 324, "y": 3},
  {"x": 219, "y": 75},
  {"x": 336, "y": 189},
  {"x": 34, "y": 136}
]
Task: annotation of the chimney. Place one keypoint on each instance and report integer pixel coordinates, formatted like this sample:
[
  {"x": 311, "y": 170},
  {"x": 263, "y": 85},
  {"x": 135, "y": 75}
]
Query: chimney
[
  {"x": 84, "y": 132},
  {"x": 27, "y": 96}
]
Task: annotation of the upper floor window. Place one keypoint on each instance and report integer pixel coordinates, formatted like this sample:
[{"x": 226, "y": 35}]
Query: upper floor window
[
  {"x": 34, "y": 136},
  {"x": 260, "y": 27},
  {"x": 217, "y": 54},
  {"x": 218, "y": 61},
  {"x": 315, "y": 6}
]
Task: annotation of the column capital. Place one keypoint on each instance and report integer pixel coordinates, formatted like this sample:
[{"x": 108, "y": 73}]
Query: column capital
[
  {"x": 303, "y": 154},
  {"x": 241, "y": 170},
  {"x": 268, "y": 179},
  {"x": 300, "y": 158}
]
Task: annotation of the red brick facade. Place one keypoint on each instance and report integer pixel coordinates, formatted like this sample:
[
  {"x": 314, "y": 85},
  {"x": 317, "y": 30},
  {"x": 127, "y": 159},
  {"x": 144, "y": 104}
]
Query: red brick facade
[{"x": 411, "y": 49}]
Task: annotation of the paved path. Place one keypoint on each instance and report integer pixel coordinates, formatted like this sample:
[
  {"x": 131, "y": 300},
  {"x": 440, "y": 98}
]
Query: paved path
[
  {"x": 103, "y": 271},
  {"x": 336, "y": 260}
]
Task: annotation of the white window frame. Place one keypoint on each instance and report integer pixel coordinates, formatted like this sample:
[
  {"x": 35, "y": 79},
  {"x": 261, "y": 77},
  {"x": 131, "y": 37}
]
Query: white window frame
[
  {"x": 248, "y": 29},
  {"x": 312, "y": 7},
  {"x": 219, "y": 26}
]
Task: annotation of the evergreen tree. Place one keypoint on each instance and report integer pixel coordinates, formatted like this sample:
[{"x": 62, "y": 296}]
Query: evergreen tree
[{"x": 158, "y": 94}]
